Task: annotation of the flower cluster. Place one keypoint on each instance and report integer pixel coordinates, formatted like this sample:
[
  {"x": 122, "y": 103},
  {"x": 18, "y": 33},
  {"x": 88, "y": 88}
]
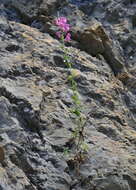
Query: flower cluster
[{"x": 64, "y": 28}]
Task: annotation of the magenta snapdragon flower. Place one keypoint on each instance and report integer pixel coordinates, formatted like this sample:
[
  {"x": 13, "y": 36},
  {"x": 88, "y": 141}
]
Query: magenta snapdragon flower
[
  {"x": 61, "y": 20},
  {"x": 62, "y": 24},
  {"x": 64, "y": 28},
  {"x": 68, "y": 37},
  {"x": 58, "y": 34}
]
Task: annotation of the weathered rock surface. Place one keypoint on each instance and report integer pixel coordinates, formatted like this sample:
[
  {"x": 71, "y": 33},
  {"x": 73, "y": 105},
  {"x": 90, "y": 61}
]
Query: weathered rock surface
[{"x": 35, "y": 123}]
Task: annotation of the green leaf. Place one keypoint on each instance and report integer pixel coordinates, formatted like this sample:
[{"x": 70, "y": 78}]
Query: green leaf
[
  {"x": 76, "y": 112},
  {"x": 70, "y": 77},
  {"x": 84, "y": 147},
  {"x": 66, "y": 151}
]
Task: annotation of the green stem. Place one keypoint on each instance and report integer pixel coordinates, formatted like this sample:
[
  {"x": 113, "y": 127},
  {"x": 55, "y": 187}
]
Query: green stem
[{"x": 77, "y": 110}]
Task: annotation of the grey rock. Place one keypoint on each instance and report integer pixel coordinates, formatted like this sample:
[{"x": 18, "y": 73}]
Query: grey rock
[{"x": 35, "y": 98}]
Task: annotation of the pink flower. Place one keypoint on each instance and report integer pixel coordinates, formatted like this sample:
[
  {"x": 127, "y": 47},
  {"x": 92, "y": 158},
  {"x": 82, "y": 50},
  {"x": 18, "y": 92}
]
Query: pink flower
[
  {"x": 58, "y": 34},
  {"x": 60, "y": 21},
  {"x": 62, "y": 24},
  {"x": 68, "y": 37},
  {"x": 65, "y": 28}
]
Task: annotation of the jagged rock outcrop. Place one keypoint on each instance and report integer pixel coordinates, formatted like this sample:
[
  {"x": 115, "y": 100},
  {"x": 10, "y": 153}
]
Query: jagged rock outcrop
[{"x": 35, "y": 123}]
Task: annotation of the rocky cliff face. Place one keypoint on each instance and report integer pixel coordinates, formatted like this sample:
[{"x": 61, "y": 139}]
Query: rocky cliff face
[{"x": 35, "y": 126}]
